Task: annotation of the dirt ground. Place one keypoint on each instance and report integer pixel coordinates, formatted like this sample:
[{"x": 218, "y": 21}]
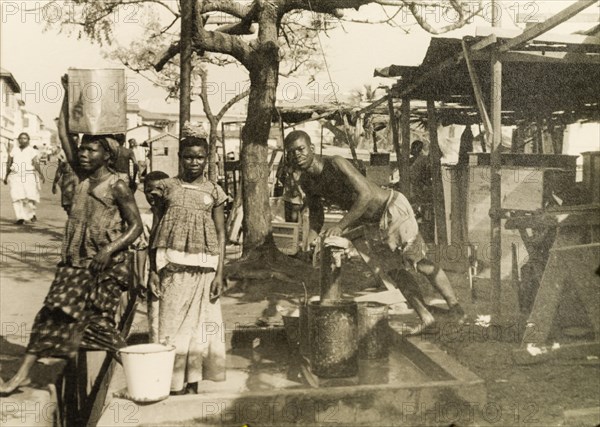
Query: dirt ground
[{"x": 517, "y": 394}]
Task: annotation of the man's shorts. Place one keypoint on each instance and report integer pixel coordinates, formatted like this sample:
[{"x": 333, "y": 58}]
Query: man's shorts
[{"x": 400, "y": 231}]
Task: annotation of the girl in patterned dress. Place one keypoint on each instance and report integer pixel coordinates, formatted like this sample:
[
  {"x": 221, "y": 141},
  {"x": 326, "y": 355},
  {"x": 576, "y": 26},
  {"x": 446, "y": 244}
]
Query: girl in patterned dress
[
  {"x": 79, "y": 309},
  {"x": 188, "y": 247}
]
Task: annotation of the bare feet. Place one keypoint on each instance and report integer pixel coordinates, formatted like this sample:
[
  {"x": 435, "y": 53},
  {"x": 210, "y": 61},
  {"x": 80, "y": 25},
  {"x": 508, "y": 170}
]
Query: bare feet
[
  {"x": 191, "y": 388},
  {"x": 13, "y": 384},
  {"x": 458, "y": 315},
  {"x": 434, "y": 309},
  {"x": 427, "y": 325}
]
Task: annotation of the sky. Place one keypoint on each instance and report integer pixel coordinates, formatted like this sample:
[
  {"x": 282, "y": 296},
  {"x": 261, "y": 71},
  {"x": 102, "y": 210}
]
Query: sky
[{"x": 38, "y": 58}]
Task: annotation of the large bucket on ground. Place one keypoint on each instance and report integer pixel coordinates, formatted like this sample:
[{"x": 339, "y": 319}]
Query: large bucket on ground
[
  {"x": 148, "y": 371},
  {"x": 332, "y": 336},
  {"x": 304, "y": 338},
  {"x": 373, "y": 331}
]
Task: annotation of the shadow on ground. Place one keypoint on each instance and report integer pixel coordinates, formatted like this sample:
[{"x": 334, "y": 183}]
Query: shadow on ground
[{"x": 43, "y": 373}]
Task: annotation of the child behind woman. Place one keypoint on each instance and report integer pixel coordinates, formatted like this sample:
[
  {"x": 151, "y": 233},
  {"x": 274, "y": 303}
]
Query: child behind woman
[
  {"x": 190, "y": 245},
  {"x": 142, "y": 247}
]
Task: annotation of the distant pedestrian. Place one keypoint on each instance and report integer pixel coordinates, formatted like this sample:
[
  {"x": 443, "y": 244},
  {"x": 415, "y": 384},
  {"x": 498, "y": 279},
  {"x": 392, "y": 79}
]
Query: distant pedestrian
[
  {"x": 420, "y": 174},
  {"x": 121, "y": 165},
  {"x": 23, "y": 175},
  {"x": 293, "y": 196},
  {"x": 141, "y": 155},
  {"x": 67, "y": 180}
]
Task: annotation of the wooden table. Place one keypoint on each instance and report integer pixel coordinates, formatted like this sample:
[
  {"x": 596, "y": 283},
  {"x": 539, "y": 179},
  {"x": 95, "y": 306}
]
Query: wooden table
[{"x": 564, "y": 246}]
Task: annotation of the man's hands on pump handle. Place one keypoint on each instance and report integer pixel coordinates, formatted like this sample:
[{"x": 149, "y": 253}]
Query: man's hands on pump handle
[{"x": 332, "y": 231}]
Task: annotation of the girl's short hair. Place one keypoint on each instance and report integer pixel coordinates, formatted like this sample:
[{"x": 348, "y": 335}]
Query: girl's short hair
[
  {"x": 192, "y": 141},
  {"x": 26, "y": 134},
  {"x": 155, "y": 176}
]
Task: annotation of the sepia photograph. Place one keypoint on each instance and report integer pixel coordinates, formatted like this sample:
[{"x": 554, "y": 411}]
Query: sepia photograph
[{"x": 300, "y": 213}]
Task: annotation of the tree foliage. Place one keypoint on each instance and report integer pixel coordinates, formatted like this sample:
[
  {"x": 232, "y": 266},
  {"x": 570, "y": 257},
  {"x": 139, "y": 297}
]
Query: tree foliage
[{"x": 258, "y": 34}]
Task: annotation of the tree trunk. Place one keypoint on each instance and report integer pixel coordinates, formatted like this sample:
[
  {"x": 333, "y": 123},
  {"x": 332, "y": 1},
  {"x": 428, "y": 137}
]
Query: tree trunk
[
  {"x": 213, "y": 171},
  {"x": 185, "y": 53},
  {"x": 255, "y": 167}
]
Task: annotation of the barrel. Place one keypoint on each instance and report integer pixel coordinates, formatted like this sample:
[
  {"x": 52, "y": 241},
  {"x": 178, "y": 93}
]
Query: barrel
[
  {"x": 304, "y": 338},
  {"x": 373, "y": 331},
  {"x": 332, "y": 337}
]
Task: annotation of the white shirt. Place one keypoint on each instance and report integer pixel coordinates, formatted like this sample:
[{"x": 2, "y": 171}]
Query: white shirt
[{"x": 23, "y": 159}]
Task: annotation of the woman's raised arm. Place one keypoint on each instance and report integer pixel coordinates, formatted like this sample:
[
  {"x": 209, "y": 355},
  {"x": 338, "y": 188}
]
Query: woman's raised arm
[{"x": 68, "y": 143}]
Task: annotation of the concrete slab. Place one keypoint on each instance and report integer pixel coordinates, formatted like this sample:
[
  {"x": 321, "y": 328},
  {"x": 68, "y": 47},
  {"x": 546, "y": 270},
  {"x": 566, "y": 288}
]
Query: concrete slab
[
  {"x": 262, "y": 388},
  {"x": 582, "y": 417}
]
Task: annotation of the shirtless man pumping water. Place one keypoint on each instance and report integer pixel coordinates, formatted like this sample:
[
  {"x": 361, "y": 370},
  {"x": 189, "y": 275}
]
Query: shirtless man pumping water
[{"x": 338, "y": 181}]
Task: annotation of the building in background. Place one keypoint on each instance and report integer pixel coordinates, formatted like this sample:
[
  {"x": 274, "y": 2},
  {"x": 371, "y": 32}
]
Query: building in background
[
  {"x": 41, "y": 137},
  {"x": 163, "y": 154},
  {"x": 10, "y": 111},
  {"x": 16, "y": 118}
]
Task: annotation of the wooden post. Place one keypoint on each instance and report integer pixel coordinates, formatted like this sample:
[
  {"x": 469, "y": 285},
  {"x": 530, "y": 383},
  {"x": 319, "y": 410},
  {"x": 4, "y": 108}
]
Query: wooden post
[
  {"x": 349, "y": 139},
  {"x": 487, "y": 124},
  {"x": 225, "y": 182},
  {"x": 515, "y": 142},
  {"x": 395, "y": 136},
  {"x": 403, "y": 160},
  {"x": 495, "y": 184},
  {"x": 435, "y": 155},
  {"x": 185, "y": 54},
  {"x": 539, "y": 136},
  {"x": 321, "y": 147},
  {"x": 282, "y": 134}
]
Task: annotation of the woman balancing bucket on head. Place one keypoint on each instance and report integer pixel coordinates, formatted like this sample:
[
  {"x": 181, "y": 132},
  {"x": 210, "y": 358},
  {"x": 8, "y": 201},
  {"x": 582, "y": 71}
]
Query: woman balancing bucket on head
[{"x": 79, "y": 309}]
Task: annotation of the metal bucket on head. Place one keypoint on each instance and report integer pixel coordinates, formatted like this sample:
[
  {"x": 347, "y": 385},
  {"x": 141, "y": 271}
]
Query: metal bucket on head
[
  {"x": 332, "y": 337},
  {"x": 373, "y": 331}
]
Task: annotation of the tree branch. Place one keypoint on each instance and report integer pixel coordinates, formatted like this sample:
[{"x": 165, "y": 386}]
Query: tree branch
[
  {"x": 230, "y": 103},
  {"x": 212, "y": 41},
  {"x": 294, "y": 68},
  {"x": 165, "y": 29},
  {"x": 204, "y": 94},
  {"x": 238, "y": 29},
  {"x": 239, "y": 10},
  {"x": 169, "y": 54},
  {"x": 218, "y": 42},
  {"x": 387, "y": 20},
  {"x": 331, "y": 7}
]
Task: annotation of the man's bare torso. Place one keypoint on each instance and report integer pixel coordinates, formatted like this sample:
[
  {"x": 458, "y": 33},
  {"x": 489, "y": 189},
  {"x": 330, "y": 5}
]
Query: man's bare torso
[{"x": 335, "y": 186}]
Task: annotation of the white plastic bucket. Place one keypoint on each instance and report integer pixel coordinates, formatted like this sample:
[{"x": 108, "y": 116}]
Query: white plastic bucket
[{"x": 148, "y": 371}]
